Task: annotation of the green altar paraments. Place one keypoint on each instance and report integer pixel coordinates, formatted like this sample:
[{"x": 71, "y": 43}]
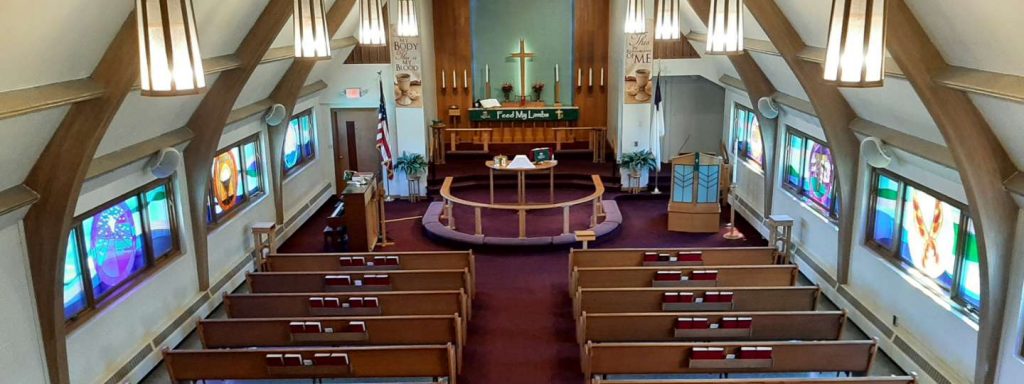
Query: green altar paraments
[{"x": 525, "y": 114}]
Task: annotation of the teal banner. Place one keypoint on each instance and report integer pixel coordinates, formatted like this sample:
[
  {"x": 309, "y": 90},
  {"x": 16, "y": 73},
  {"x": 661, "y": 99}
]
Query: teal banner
[{"x": 525, "y": 114}]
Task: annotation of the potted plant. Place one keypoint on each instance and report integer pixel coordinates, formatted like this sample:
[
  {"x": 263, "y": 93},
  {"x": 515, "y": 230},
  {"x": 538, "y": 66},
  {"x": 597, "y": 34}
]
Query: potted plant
[
  {"x": 506, "y": 89},
  {"x": 638, "y": 161},
  {"x": 538, "y": 88},
  {"x": 413, "y": 164}
]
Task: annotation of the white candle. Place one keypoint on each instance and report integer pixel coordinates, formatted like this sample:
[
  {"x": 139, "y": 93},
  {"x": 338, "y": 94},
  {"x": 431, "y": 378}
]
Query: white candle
[
  {"x": 455, "y": 80},
  {"x": 444, "y": 83},
  {"x": 556, "y": 73},
  {"x": 602, "y": 76},
  {"x": 591, "y": 77},
  {"x": 579, "y": 77},
  {"x": 465, "y": 78},
  {"x": 487, "y": 73}
]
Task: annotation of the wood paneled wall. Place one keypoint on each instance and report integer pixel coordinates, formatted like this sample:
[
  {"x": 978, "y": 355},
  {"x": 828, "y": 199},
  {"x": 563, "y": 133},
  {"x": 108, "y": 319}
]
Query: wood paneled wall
[
  {"x": 373, "y": 55},
  {"x": 591, "y": 45},
  {"x": 675, "y": 49},
  {"x": 453, "y": 51}
]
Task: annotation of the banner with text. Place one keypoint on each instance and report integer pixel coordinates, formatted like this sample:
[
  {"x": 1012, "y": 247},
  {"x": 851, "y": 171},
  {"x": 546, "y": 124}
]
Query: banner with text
[
  {"x": 407, "y": 65},
  {"x": 639, "y": 63},
  {"x": 525, "y": 114}
]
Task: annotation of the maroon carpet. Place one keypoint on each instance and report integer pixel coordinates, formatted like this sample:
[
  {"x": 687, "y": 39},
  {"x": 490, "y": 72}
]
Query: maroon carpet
[{"x": 522, "y": 329}]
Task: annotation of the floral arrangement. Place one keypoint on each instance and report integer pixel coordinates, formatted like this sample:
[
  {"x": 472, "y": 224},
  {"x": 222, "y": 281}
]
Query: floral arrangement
[
  {"x": 506, "y": 88},
  {"x": 538, "y": 87}
]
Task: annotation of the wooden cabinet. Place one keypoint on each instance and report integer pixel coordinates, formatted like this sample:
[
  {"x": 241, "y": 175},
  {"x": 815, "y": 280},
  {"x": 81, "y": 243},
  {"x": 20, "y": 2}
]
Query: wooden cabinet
[
  {"x": 694, "y": 205},
  {"x": 362, "y": 215}
]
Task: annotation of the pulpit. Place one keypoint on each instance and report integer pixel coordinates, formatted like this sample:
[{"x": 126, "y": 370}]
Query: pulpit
[
  {"x": 694, "y": 204},
  {"x": 362, "y": 215}
]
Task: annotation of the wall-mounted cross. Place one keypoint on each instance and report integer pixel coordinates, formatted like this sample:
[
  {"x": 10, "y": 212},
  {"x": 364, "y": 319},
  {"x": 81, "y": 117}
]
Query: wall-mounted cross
[{"x": 522, "y": 55}]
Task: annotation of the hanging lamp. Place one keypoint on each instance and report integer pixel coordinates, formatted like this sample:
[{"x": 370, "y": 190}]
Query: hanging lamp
[
  {"x": 667, "y": 23},
  {"x": 169, "y": 60},
  {"x": 636, "y": 17},
  {"x": 855, "y": 54},
  {"x": 372, "y": 31},
  {"x": 407, "y": 25},
  {"x": 312, "y": 41},
  {"x": 725, "y": 28}
]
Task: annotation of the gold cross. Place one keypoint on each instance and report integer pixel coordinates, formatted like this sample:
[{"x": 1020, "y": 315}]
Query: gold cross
[{"x": 522, "y": 55}]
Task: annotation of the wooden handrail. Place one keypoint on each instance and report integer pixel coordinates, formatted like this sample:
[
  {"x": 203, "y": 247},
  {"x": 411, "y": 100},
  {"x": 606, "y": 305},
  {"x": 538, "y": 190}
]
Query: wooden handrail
[{"x": 446, "y": 193}]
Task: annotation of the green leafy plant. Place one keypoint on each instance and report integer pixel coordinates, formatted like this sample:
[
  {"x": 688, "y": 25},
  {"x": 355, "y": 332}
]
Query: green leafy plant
[
  {"x": 638, "y": 161},
  {"x": 413, "y": 164}
]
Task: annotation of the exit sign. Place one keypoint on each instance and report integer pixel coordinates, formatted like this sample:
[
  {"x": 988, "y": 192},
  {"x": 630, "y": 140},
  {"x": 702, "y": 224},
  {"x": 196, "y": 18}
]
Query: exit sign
[{"x": 353, "y": 93}]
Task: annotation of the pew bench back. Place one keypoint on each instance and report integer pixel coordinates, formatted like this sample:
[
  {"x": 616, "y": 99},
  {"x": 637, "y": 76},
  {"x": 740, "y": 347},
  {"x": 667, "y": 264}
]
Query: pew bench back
[
  {"x": 410, "y": 303},
  {"x": 723, "y": 276},
  {"x": 637, "y": 257},
  {"x": 836, "y": 380},
  {"x": 420, "y": 280},
  {"x": 710, "y": 326},
  {"x": 638, "y": 300},
  {"x": 369, "y": 261}
]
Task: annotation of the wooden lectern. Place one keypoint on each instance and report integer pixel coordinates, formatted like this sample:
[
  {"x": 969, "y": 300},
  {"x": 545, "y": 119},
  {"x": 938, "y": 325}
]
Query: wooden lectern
[
  {"x": 362, "y": 215},
  {"x": 694, "y": 204}
]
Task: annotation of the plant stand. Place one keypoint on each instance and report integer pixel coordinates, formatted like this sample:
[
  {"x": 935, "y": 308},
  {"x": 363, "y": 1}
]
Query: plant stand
[
  {"x": 414, "y": 190},
  {"x": 633, "y": 184}
]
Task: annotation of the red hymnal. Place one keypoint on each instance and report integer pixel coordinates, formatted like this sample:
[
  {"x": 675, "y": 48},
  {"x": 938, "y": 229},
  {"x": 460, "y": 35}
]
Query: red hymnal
[
  {"x": 709, "y": 353},
  {"x": 339, "y": 280},
  {"x": 313, "y": 327},
  {"x": 275, "y": 360},
  {"x": 728, "y": 322},
  {"x": 725, "y": 297},
  {"x": 316, "y": 302},
  {"x": 359, "y": 261},
  {"x": 764, "y": 352},
  {"x": 686, "y": 297},
  {"x": 356, "y": 326},
  {"x": 371, "y": 302},
  {"x": 376, "y": 279},
  {"x": 744, "y": 322},
  {"x": 322, "y": 359},
  {"x": 664, "y": 257},
  {"x": 650, "y": 256},
  {"x": 345, "y": 261},
  {"x": 668, "y": 276},
  {"x": 670, "y": 297},
  {"x": 293, "y": 360},
  {"x": 339, "y": 358},
  {"x": 684, "y": 323},
  {"x": 297, "y": 327},
  {"x": 704, "y": 275},
  {"x": 332, "y": 302},
  {"x": 689, "y": 256},
  {"x": 380, "y": 260},
  {"x": 701, "y": 323},
  {"x": 711, "y": 297},
  {"x": 748, "y": 353},
  {"x": 392, "y": 260},
  {"x": 355, "y": 302}
]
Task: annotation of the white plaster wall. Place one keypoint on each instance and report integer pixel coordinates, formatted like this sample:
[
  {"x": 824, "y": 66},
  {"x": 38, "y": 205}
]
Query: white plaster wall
[
  {"x": 748, "y": 180},
  {"x": 24, "y": 138},
  {"x": 298, "y": 188},
  {"x": 21, "y": 349},
  {"x": 1011, "y": 364}
]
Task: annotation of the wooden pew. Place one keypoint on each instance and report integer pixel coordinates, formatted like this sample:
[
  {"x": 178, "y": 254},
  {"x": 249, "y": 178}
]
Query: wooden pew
[
  {"x": 365, "y": 261},
  {"x": 685, "y": 358},
  {"x": 638, "y": 257},
  {"x": 334, "y": 331},
  {"x": 425, "y": 280},
  {"x": 836, "y": 380},
  {"x": 435, "y": 361},
  {"x": 682, "y": 277},
  {"x": 709, "y": 326},
  {"x": 638, "y": 300},
  {"x": 283, "y": 305}
]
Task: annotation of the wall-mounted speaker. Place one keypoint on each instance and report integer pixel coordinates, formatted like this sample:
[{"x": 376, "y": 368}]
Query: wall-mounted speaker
[
  {"x": 164, "y": 163},
  {"x": 875, "y": 152},
  {"x": 275, "y": 115},
  {"x": 768, "y": 107}
]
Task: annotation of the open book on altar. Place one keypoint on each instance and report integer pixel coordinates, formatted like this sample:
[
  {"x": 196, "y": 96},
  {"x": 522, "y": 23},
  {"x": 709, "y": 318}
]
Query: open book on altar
[{"x": 521, "y": 162}]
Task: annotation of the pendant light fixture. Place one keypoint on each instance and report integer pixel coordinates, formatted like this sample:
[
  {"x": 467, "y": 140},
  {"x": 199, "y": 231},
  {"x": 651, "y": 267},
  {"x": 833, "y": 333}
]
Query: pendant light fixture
[
  {"x": 667, "y": 23},
  {"x": 636, "y": 17},
  {"x": 371, "y": 24},
  {"x": 312, "y": 41},
  {"x": 169, "y": 59},
  {"x": 407, "y": 25},
  {"x": 725, "y": 28},
  {"x": 855, "y": 55}
]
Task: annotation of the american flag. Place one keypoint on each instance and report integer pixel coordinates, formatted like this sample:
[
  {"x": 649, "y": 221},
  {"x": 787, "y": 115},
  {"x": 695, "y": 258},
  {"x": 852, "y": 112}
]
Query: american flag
[{"x": 383, "y": 138}]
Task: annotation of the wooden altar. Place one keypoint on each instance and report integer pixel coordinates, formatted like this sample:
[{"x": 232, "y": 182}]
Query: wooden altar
[{"x": 696, "y": 188}]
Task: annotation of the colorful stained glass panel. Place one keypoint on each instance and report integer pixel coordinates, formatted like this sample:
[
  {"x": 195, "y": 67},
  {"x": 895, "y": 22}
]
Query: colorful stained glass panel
[
  {"x": 114, "y": 245},
  {"x": 754, "y": 143},
  {"x": 794, "y": 160},
  {"x": 74, "y": 290},
  {"x": 252, "y": 169},
  {"x": 292, "y": 152},
  {"x": 818, "y": 179},
  {"x": 970, "y": 272},
  {"x": 886, "y": 196},
  {"x": 158, "y": 215},
  {"x": 929, "y": 235}
]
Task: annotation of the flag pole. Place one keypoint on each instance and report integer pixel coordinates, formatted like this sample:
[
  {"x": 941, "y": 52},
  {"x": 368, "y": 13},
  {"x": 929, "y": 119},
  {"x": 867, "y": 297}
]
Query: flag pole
[
  {"x": 657, "y": 167},
  {"x": 383, "y": 197}
]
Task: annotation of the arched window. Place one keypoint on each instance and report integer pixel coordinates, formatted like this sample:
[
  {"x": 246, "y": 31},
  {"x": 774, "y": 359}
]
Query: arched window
[
  {"x": 113, "y": 246},
  {"x": 299, "y": 141}
]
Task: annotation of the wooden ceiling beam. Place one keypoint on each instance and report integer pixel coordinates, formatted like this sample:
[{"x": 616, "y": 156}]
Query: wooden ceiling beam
[
  {"x": 833, "y": 111},
  {"x": 757, "y": 85},
  {"x": 983, "y": 164},
  {"x": 71, "y": 150},
  {"x": 24, "y": 101},
  {"x": 287, "y": 93},
  {"x": 210, "y": 117}
]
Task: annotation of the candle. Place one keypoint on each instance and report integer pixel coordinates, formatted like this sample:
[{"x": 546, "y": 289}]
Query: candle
[
  {"x": 556, "y": 73},
  {"x": 455, "y": 80},
  {"x": 602, "y": 76},
  {"x": 465, "y": 78},
  {"x": 444, "y": 83},
  {"x": 487, "y": 73},
  {"x": 579, "y": 77},
  {"x": 591, "y": 77}
]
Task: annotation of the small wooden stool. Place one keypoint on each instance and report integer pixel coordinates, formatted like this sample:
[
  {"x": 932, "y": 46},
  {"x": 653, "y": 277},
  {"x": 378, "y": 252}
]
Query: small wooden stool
[
  {"x": 633, "y": 183},
  {"x": 264, "y": 235},
  {"x": 585, "y": 237}
]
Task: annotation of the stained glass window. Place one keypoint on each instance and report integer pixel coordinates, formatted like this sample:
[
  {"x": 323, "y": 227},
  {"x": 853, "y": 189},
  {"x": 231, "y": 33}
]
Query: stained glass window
[
  {"x": 236, "y": 177},
  {"x": 810, "y": 173},
  {"x": 299, "y": 141},
  {"x": 747, "y": 135},
  {"x": 114, "y": 243},
  {"x": 927, "y": 233}
]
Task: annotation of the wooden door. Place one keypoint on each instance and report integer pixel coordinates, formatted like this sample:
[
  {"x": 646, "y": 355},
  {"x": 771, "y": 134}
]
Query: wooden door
[{"x": 355, "y": 140}]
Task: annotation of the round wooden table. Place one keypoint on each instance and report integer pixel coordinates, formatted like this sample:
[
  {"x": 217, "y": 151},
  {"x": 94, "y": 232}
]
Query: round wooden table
[{"x": 548, "y": 166}]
